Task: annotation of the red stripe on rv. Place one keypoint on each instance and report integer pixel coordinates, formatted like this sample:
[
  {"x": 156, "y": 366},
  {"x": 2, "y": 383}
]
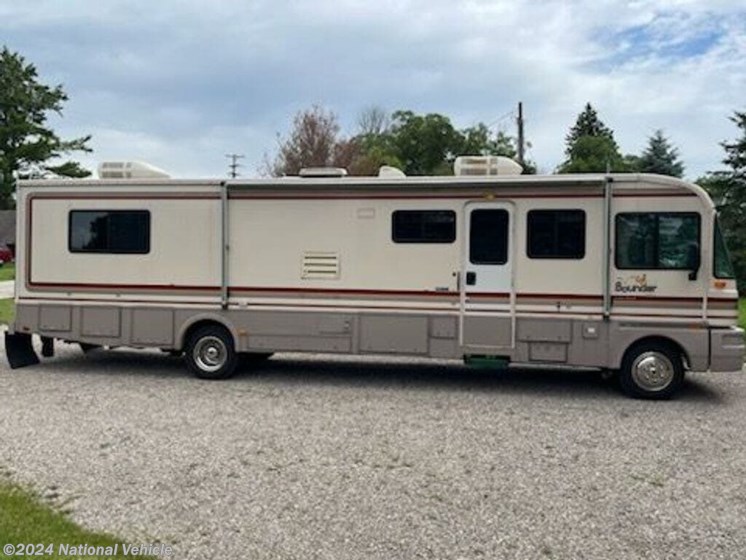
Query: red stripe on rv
[{"x": 367, "y": 292}]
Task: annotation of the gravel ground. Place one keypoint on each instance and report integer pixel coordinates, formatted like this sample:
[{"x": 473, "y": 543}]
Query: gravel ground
[{"x": 317, "y": 457}]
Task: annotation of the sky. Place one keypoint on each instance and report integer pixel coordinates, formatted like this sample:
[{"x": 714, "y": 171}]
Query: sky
[{"x": 180, "y": 84}]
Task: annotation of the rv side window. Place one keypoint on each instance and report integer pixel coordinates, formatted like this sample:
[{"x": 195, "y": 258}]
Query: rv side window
[
  {"x": 423, "y": 226},
  {"x": 488, "y": 237},
  {"x": 109, "y": 231},
  {"x": 722, "y": 265},
  {"x": 556, "y": 234},
  {"x": 656, "y": 240}
]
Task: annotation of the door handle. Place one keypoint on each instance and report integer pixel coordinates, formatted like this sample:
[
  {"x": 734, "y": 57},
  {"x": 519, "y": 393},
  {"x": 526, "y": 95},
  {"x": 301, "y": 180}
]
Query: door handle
[{"x": 471, "y": 278}]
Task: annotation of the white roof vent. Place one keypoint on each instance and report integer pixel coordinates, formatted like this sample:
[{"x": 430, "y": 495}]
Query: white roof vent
[
  {"x": 130, "y": 170},
  {"x": 320, "y": 172},
  {"x": 485, "y": 165},
  {"x": 389, "y": 172}
]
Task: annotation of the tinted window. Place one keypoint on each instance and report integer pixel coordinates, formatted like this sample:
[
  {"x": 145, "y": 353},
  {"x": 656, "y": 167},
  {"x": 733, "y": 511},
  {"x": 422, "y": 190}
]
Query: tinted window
[
  {"x": 109, "y": 231},
  {"x": 488, "y": 237},
  {"x": 655, "y": 240},
  {"x": 424, "y": 226},
  {"x": 556, "y": 234},
  {"x": 723, "y": 266}
]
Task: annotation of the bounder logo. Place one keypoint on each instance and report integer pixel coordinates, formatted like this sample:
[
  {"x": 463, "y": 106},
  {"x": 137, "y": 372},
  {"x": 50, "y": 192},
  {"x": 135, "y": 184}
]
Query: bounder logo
[{"x": 635, "y": 284}]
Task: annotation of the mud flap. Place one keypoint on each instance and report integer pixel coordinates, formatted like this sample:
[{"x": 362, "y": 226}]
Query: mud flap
[
  {"x": 19, "y": 350},
  {"x": 47, "y": 347}
]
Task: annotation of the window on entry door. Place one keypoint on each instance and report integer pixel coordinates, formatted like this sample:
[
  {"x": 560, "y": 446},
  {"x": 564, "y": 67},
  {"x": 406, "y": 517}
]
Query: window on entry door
[{"x": 488, "y": 237}]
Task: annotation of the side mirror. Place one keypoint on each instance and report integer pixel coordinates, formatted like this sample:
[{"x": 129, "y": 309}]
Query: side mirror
[{"x": 693, "y": 260}]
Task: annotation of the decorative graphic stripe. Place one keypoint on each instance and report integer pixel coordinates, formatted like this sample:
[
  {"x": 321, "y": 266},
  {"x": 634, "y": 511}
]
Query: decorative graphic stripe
[{"x": 485, "y": 297}]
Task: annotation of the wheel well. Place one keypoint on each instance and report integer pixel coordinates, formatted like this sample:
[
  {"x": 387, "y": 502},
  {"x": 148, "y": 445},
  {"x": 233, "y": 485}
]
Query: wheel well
[
  {"x": 659, "y": 340},
  {"x": 191, "y": 329}
]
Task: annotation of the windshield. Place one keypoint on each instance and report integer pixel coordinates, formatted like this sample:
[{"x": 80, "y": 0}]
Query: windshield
[{"x": 723, "y": 267}]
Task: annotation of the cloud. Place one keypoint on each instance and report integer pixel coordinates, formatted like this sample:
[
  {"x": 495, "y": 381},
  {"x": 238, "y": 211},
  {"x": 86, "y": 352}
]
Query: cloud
[{"x": 181, "y": 85}]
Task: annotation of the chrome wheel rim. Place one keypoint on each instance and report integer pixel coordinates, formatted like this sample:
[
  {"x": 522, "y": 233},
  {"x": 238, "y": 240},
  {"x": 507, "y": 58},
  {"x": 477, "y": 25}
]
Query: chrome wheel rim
[
  {"x": 653, "y": 371},
  {"x": 210, "y": 354}
]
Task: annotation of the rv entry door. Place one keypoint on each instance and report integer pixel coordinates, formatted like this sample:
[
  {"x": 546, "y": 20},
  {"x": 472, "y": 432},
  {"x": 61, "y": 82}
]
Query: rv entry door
[{"x": 487, "y": 292}]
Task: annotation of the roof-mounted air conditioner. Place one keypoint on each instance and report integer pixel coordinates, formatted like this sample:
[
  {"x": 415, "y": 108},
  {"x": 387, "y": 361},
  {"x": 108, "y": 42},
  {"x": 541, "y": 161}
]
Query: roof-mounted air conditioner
[
  {"x": 130, "y": 170},
  {"x": 320, "y": 172},
  {"x": 485, "y": 165}
]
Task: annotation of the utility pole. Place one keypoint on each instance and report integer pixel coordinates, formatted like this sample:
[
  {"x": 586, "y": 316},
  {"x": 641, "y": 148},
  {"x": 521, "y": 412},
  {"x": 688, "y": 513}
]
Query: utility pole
[
  {"x": 521, "y": 138},
  {"x": 234, "y": 165}
]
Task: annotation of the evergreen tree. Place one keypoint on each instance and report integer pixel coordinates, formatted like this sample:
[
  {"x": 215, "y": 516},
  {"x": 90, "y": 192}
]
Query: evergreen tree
[
  {"x": 728, "y": 191},
  {"x": 26, "y": 143},
  {"x": 587, "y": 124},
  {"x": 660, "y": 157},
  {"x": 593, "y": 154},
  {"x": 590, "y": 146}
]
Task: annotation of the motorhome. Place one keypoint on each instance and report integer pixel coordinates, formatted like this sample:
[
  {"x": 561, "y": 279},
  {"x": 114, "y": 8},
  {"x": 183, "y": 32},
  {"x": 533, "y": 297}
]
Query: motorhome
[{"x": 627, "y": 273}]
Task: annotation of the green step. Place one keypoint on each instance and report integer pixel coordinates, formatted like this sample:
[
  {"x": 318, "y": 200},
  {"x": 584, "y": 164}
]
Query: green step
[{"x": 490, "y": 362}]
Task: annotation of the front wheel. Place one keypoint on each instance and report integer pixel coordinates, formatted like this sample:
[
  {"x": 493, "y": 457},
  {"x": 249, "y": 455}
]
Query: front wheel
[
  {"x": 651, "y": 371},
  {"x": 210, "y": 353}
]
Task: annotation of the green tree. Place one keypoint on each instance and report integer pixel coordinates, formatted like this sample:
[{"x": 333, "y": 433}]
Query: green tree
[
  {"x": 26, "y": 143},
  {"x": 425, "y": 144},
  {"x": 374, "y": 142},
  {"x": 660, "y": 157},
  {"x": 632, "y": 163},
  {"x": 590, "y": 146},
  {"x": 416, "y": 144},
  {"x": 593, "y": 154},
  {"x": 428, "y": 144},
  {"x": 728, "y": 191},
  {"x": 479, "y": 140},
  {"x": 587, "y": 124}
]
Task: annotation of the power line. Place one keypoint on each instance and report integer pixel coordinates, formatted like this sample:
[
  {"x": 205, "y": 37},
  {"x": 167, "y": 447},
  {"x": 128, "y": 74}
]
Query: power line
[
  {"x": 509, "y": 115},
  {"x": 234, "y": 165}
]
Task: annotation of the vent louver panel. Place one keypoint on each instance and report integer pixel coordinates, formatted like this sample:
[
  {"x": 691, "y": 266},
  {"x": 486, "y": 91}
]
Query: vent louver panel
[{"x": 319, "y": 265}]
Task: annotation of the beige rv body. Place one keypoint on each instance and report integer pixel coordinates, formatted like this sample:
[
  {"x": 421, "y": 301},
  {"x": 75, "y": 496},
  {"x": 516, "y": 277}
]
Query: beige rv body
[{"x": 309, "y": 264}]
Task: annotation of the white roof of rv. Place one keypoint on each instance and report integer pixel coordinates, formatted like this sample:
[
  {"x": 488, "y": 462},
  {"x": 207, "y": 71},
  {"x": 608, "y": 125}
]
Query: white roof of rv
[{"x": 415, "y": 183}]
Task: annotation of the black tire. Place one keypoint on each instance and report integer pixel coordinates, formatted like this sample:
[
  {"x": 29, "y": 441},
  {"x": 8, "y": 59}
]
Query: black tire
[
  {"x": 651, "y": 370},
  {"x": 210, "y": 353}
]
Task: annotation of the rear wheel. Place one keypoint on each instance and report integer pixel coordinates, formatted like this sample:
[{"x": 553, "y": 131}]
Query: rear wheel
[
  {"x": 210, "y": 353},
  {"x": 651, "y": 371}
]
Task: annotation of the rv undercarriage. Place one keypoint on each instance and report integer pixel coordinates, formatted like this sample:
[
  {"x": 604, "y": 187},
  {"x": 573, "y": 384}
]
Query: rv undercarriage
[{"x": 212, "y": 344}]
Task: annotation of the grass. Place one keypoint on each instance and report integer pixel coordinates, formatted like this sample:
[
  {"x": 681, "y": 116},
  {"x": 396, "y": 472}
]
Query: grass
[
  {"x": 742, "y": 313},
  {"x": 8, "y": 272},
  {"x": 25, "y": 518},
  {"x": 7, "y": 311}
]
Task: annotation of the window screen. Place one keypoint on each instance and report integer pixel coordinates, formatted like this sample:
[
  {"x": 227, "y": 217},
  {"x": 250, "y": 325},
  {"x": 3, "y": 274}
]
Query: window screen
[
  {"x": 655, "y": 240},
  {"x": 109, "y": 231},
  {"x": 423, "y": 226},
  {"x": 488, "y": 237},
  {"x": 556, "y": 234}
]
